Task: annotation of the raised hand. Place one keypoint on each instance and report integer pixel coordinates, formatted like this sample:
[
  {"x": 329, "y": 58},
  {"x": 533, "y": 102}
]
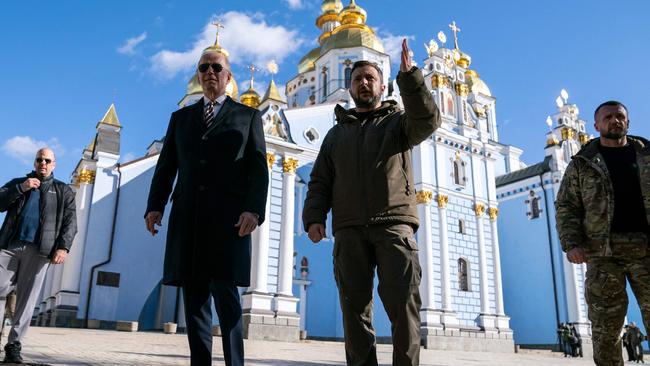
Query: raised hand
[{"x": 406, "y": 64}]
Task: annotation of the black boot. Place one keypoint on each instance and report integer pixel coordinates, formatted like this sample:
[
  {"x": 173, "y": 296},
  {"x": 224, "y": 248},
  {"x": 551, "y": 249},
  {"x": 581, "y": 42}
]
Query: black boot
[{"x": 12, "y": 353}]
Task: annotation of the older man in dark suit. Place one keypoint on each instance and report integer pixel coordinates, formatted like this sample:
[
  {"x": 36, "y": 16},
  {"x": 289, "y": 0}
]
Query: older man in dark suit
[{"x": 216, "y": 146}]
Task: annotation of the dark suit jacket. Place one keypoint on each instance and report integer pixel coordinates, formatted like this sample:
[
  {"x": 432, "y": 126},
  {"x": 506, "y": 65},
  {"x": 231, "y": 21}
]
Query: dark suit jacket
[{"x": 222, "y": 172}]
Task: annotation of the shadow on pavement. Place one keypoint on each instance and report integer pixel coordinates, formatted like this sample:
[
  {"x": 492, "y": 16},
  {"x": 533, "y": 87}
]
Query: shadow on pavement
[{"x": 291, "y": 363}]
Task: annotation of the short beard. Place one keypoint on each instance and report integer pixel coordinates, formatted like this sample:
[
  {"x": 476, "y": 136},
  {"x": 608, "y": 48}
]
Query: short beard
[
  {"x": 615, "y": 135},
  {"x": 367, "y": 103}
]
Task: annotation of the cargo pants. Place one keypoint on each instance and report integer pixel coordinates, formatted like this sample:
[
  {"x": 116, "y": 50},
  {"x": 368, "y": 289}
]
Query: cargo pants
[
  {"x": 606, "y": 293},
  {"x": 392, "y": 251}
]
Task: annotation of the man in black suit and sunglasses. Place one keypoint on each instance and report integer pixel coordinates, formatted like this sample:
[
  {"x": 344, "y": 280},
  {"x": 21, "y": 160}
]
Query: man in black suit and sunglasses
[
  {"x": 38, "y": 230},
  {"x": 215, "y": 150}
]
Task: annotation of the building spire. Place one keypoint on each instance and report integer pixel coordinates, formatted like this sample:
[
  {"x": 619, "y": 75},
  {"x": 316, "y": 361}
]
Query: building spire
[
  {"x": 252, "y": 69},
  {"x": 218, "y": 25},
  {"x": 455, "y": 29}
]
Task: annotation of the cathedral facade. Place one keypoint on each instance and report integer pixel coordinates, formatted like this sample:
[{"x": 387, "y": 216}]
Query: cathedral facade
[{"x": 115, "y": 266}]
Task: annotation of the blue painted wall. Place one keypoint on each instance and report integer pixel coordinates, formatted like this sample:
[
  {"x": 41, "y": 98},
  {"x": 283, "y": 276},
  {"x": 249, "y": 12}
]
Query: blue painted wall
[{"x": 527, "y": 274}]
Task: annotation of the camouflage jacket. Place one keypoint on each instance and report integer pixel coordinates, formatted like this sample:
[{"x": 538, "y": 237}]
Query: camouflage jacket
[{"x": 585, "y": 203}]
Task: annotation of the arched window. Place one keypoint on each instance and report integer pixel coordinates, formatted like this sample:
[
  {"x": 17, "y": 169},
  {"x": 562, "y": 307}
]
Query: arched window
[
  {"x": 449, "y": 102},
  {"x": 461, "y": 226},
  {"x": 463, "y": 274},
  {"x": 348, "y": 77},
  {"x": 304, "y": 268},
  {"x": 324, "y": 82},
  {"x": 459, "y": 172}
]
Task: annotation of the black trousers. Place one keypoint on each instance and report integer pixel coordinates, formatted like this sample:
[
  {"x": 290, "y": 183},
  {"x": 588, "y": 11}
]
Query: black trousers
[{"x": 198, "y": 316}]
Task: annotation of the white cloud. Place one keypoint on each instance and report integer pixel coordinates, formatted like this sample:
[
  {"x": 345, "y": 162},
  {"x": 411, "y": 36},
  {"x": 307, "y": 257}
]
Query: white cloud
[
  {"x": 248, "y": 38},
  {"x": 129, "y": 46},
  {"x": 393, "y": 46},
  {"x": 294, "y": 4},
  {"x": 23, "y": 148}
]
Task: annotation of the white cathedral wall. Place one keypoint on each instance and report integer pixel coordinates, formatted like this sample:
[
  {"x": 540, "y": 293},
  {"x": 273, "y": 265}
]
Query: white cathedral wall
[{"x": 466, "y": 303}]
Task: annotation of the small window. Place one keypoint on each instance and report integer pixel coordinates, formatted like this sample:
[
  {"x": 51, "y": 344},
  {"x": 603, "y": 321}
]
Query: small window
[
  {"x": 463, "y": 274},
  {"x": 459, "y": 172},
  {"x": 461, "y": 226},
  {"x": 312, "y": 135},
  {"x": 534, "y": 206},
  {"x": 348, "y": 77}
]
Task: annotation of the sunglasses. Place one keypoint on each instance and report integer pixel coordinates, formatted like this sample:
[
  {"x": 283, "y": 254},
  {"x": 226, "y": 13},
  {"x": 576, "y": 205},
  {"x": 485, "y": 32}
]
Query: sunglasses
[
  {"x": 217, "y": 67},
  {"x": 47, "y": 161}
]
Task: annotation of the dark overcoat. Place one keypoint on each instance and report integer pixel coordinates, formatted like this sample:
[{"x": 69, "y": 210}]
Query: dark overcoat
[{"x": 222, "y": 172}]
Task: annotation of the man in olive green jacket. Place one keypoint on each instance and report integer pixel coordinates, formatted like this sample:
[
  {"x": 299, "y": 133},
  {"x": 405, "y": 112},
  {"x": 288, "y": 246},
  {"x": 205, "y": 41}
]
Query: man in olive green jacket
[
  {"x": 364, "y": 174},
  {"x": 602, "y": 214}
]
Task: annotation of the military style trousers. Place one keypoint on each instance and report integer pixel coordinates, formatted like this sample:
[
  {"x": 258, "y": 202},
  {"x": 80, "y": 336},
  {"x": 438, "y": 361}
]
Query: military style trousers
[
  {"x": 606, "y": 295},
  {"x": 392, "y": 251},
  {"x": 21, "y": 265}
]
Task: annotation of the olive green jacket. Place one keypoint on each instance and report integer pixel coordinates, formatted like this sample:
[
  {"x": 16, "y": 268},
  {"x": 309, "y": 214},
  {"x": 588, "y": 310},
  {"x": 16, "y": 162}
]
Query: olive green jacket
[
  {"x": 363, "y": 171},
  {"x": 585, "y": 202}
]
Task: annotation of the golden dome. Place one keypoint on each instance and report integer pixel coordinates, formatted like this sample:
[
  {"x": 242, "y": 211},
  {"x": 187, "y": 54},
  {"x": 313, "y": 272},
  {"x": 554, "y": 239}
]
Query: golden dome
[
  {"x": 464, "y": 60},
  {"x": 353, "y": 14},
  {"x": 330, "y": 12},
  {"x": 250, "y": 98},
  {"x": 352, "y": 37},
  {"x": 476, "y": 85},
  {"x": 193, "y": 87},
  {"x": 307, "y": 63}
]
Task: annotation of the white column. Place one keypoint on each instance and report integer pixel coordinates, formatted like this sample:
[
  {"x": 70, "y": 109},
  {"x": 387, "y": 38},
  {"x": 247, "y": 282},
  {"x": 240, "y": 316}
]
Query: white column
[
  {"x": 498, "y": 285},
  {"x": 425, "y": 250},
  {"x": 257, "y": 300},
  {"x": 260, "y": 255},
  {"x": 444, "y": 254},
  {"x": 486, "y": 319},
  {"x": 448, "y": 319},
  {"x": 482, "y": 259},
  {"x": 285, "y": 303},
  {"x": 502, "y": 321},
  {"x": 285, "y": 277}
]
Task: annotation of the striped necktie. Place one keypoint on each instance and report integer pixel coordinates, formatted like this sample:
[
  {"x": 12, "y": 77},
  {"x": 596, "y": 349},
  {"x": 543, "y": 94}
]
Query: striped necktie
[{"x": 207, "y": 117}]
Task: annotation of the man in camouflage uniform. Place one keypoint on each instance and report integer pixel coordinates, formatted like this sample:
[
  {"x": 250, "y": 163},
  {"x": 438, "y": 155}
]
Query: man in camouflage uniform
[{"x": 603, "y": 210}]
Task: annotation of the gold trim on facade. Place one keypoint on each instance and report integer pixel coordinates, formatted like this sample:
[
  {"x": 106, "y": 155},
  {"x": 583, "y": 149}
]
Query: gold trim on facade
[
  {"x": 439, "y": 81},
  {"x": 270, "y": 159},
  {"x": 86, "y": 176},
  {"x": 462, "y": 89},
  {"x": 424, "y": 196},
  {"x": 443, "y": 200},
  {"x": 568, "y": 133},
  {"x": 289, "y": 165},
  {"x": 584, "y": 138},
  {"x": 479, "y": 209},
  {"x": 493, "y": 212}
]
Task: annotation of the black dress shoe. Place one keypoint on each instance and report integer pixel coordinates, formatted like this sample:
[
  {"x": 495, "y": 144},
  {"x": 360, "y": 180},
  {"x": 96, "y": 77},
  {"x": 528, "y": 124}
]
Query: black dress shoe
[{"x": 12, "y": 353}]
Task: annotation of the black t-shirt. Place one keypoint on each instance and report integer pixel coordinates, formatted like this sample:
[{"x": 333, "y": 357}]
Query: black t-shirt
[{"x": 629, "y": 211}]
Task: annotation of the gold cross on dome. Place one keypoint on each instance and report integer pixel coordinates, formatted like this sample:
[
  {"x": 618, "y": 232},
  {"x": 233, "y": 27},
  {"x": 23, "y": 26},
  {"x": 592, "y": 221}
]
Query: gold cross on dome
[
  {"x": 252, "y": 68},
  {"x": 455, "y": 29},
  {"x": 218, "y": 24}
]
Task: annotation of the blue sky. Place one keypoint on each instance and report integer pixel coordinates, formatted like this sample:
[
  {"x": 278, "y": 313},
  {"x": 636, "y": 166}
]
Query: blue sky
[{"x": 63, "y": 63}]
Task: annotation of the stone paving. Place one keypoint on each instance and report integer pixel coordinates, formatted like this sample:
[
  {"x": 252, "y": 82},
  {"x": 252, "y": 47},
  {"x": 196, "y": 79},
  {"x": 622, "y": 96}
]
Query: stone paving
[{"x": 62, "y": 346}]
